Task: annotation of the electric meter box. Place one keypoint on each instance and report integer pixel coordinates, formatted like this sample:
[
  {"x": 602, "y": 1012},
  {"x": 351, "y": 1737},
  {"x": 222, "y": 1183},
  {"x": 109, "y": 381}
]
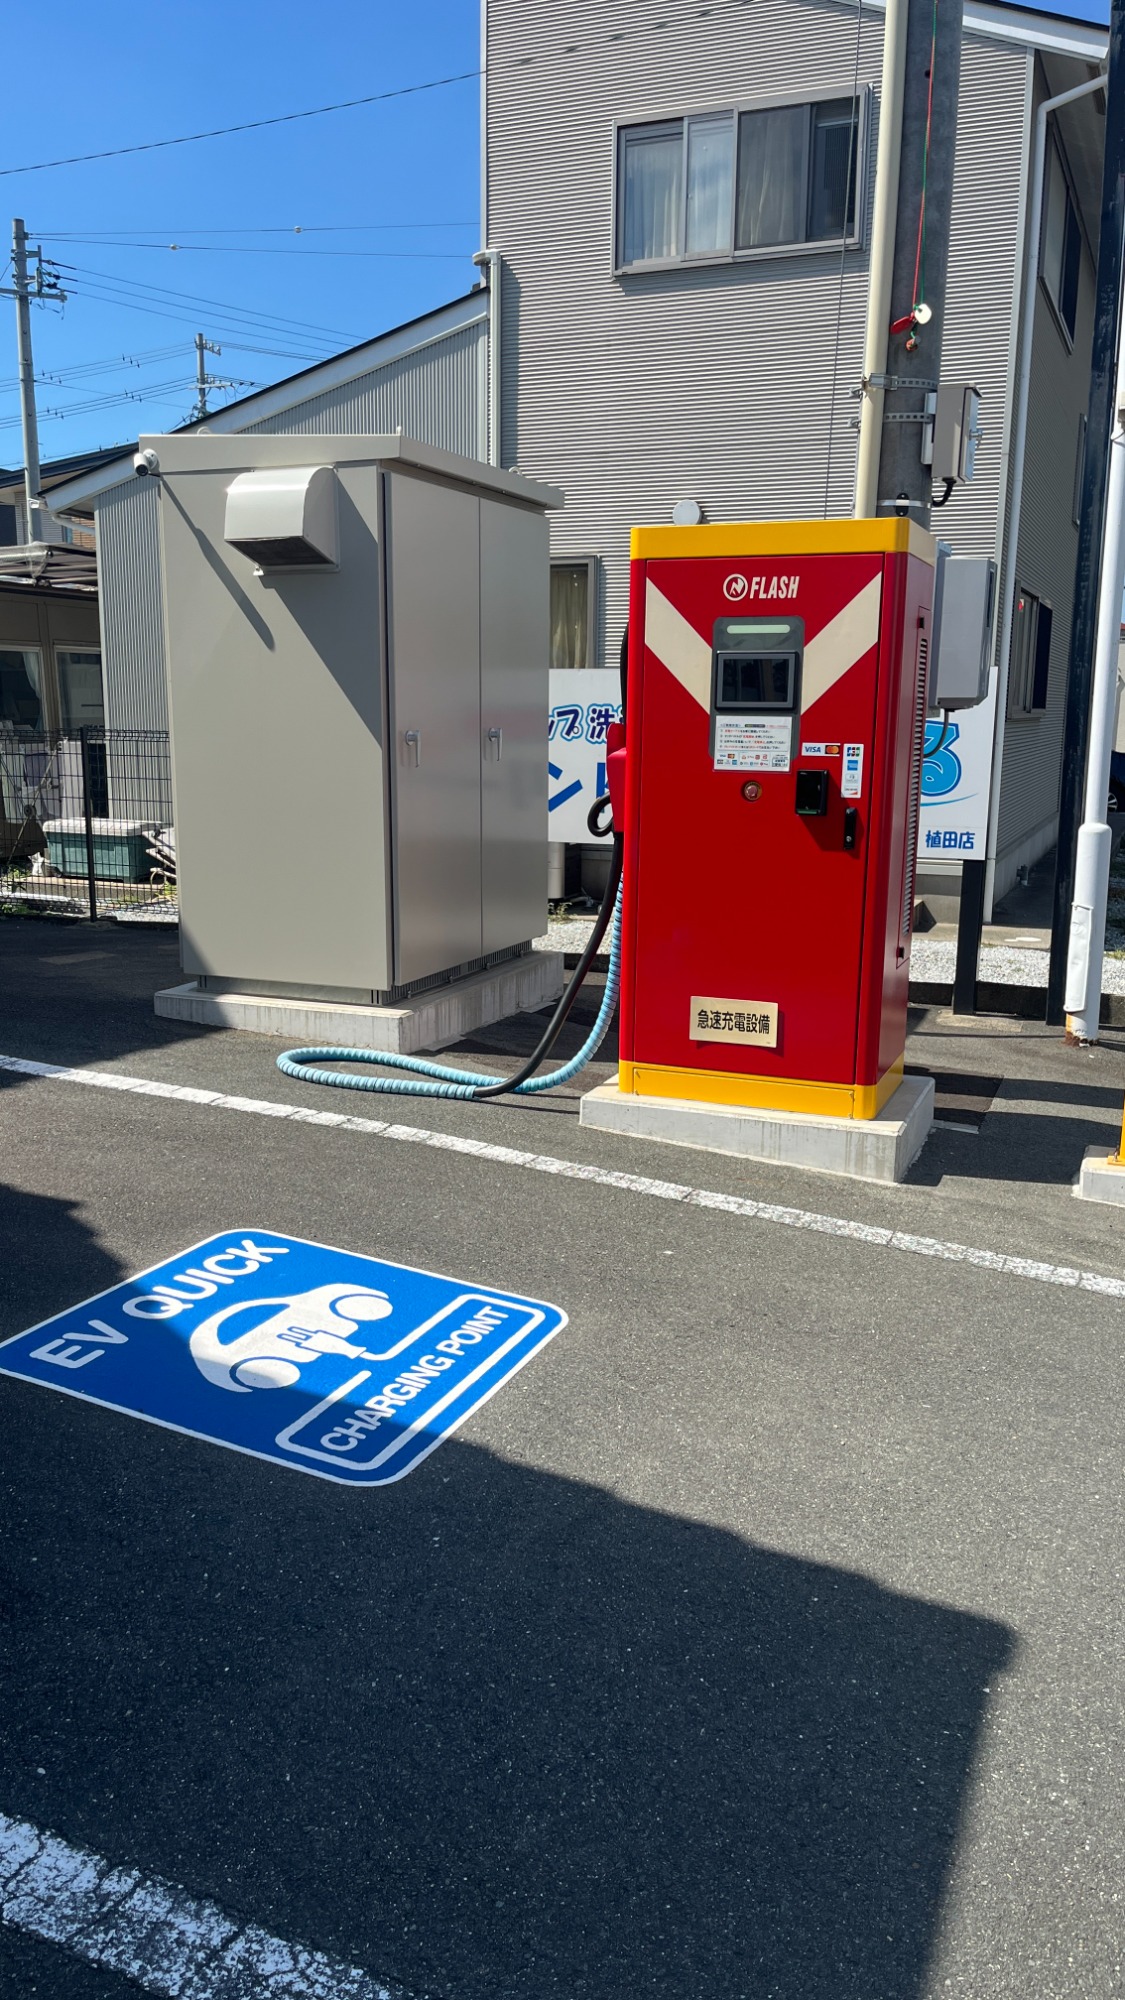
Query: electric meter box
[
  {"x": 955, "y": 431},
  {"x": 777, "y": 698},
  {"x": 358, "y": 656},
  {"x": 964, "y": 615}
]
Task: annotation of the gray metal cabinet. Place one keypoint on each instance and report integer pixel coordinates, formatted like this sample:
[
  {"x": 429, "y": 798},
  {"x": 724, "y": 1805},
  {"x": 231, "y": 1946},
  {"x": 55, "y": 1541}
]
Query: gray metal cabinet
[
  {"x": 358, "y": 746},
  {"x": 433, "y": 660},
  {"x": 514, "y": 641}
]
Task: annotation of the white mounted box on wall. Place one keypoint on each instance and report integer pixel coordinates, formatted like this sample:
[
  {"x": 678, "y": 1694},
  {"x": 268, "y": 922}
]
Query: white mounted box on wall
[{"x": 285, "y": 518}]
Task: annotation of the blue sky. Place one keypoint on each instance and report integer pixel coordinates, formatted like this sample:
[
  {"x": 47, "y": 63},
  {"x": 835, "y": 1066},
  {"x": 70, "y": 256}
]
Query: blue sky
[
  {"x": 400, "y": 177},
  {"x": 387, "y": 197}
]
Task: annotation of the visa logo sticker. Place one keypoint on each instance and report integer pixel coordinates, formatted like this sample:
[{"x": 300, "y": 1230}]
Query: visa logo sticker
[
  {"x": 348, "y": 1367},
  {"x": 820, "y": 749}
]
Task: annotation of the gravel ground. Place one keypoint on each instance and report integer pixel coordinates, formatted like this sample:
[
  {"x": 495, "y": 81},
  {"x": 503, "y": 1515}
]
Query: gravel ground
[{"x": 1008, "y": 965}]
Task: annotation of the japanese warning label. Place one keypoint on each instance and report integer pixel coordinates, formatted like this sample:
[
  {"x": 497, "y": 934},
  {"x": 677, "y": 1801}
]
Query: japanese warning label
[{"x": 753, "y": 743}]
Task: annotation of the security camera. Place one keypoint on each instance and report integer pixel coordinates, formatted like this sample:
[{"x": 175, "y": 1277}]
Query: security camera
[{"x": 145, "y": 462}]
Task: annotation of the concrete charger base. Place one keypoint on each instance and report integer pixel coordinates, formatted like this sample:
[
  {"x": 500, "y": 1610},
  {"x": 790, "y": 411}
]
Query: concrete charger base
[
  {"x": 868, "y": 1149},
  {"x": 430, "y": 1021},
  {"x": 1100, "y": 1178}
]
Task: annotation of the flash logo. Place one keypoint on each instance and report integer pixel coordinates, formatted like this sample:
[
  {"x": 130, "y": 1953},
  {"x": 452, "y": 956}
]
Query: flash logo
[{"x": 735, "y": 588}]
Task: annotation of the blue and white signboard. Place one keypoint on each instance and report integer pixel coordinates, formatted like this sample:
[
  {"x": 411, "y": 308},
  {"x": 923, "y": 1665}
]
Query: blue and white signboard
[
  {"x": 347, "y": 1367},
  {"x": 956, "y": 779},
  {"x": 584, "y": 701}
]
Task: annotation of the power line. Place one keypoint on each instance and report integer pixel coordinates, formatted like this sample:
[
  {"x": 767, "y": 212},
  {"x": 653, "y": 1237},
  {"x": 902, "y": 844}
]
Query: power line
[
  {"x": 251, "y": 229},
  {"x": 384, "y": 96},
  {"x": 154, "y": 392},
  {"x": 153, "y": 310},
  {"x": 59, "y": 377},
  {"x": 160, "y": 292},
  {"x": 272, "y": 250},
  {"x": 251, "y": 125}
]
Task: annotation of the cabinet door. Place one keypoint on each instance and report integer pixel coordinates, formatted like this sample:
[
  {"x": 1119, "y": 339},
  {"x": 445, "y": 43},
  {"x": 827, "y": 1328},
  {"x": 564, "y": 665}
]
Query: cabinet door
[
  {"x": 514, "y": 661},
  {"x": 433, "y": 627}
]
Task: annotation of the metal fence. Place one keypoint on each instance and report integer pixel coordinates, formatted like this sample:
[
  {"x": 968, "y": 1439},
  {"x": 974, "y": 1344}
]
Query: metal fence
[{"x": 86, "y": 823}]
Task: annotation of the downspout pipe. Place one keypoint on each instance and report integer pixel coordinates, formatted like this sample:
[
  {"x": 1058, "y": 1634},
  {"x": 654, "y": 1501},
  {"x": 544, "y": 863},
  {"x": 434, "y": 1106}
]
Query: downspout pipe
[
  {"x": 1086, "y": 952},
  {"x": 1019, "y": 453},
  {"x": 881, "y": 269},
  {"x": 491, "y": 262}
]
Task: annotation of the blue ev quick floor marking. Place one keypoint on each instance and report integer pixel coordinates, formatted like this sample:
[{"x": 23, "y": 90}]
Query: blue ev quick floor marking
[{"x": 348, "y": 1367}]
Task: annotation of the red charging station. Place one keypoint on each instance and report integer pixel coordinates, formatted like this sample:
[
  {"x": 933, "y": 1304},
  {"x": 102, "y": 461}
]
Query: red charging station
[{"x": 775, "y": 724}]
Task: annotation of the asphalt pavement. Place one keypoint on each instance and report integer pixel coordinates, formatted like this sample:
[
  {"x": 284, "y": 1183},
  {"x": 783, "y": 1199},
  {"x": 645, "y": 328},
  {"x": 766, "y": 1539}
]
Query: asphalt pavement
[{"x": 761, "y": 1638}]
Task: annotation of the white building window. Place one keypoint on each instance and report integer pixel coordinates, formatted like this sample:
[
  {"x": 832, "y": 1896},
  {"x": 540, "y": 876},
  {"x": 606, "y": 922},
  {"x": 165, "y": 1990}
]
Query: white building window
[
  {"x": 80, "y": 686},
  {"x": 1061, "y": 254},
  {"x": 740, "y": 183},
  {"x": 572, "y": 613},
  {"x": 21, "y": 687}
]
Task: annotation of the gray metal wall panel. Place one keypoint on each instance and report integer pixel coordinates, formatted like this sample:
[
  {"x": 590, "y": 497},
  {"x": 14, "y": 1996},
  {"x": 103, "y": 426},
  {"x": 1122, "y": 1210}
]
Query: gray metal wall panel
[
  {"x": 433, "y": 648},
  {"x": 1048, "y": 546},
  {"x": 433, "y": 395},
  {"x": 436, "y": 394},
  {"x": 514, "y": 660},
  {"x": 132, "y": 609},
  {"x": 711, "y": 383}
]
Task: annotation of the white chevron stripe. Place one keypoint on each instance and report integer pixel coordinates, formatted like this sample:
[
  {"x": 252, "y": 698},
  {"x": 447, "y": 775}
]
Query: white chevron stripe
[
  {"x": 844, "y": 640},
  {"x": 678, "y": 646}
]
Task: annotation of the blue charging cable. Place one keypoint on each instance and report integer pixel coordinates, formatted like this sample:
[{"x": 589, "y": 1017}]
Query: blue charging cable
[{"x": 446, "y": 1082}]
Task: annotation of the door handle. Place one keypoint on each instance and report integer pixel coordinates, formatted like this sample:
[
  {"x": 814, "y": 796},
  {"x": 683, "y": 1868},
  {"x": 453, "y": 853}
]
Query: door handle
[
  {"x": 497, "y": 736},
  {"x": 851, "y": 825},
  {"x": 413, "y": 740}
]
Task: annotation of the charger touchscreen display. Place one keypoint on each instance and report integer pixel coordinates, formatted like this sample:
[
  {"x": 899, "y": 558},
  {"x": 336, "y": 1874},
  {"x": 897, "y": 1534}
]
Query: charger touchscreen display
[{"x": 755, "y": 680}]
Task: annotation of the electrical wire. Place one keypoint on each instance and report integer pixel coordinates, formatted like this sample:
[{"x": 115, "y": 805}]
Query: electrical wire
[
  {"x": 269, "y": 250},
  {"x": 251, "y": 125},
  {"x": 107, "y": 236},
  {"x": 126, "y": 304},
  {"x": 918, "y": 293},
  {"x": 384, "y": 96},
  {"x": 63, "y": 377},
  {"x": 160, "y": 292}
]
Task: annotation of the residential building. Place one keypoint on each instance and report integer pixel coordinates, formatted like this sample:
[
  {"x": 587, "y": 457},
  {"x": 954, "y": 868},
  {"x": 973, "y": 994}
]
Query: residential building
[{"x": 679, "y": 205}]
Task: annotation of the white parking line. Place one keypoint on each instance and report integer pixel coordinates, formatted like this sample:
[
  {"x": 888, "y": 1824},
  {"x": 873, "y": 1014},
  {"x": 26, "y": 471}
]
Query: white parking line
[
  {"x": 546, "y": 1163},
  {"x": 153, "y": 1932}
]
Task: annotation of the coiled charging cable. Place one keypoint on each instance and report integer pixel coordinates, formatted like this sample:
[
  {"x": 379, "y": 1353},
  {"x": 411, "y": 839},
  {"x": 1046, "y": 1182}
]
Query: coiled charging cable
[{"x": 431, "y": 1079}]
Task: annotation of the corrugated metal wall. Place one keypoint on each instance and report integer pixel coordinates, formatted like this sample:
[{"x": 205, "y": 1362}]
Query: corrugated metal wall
[
  {"x": 1048, "y": 547},
  {"x": 715, "y": 383},
  {"x": 436, "y": 394},
  {"x": 132, "y": 611}
]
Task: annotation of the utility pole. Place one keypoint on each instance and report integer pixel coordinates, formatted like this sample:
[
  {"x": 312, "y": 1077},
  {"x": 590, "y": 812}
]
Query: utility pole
[
  {"x": 27, "y": 376},
  {"x": 202, "y": 379},
  {"x": 205, "y": 381},
  {"x": 20, "y": 290},
  {"x": 1092, "y": 512},
  {"x": 931, "y": 77}
]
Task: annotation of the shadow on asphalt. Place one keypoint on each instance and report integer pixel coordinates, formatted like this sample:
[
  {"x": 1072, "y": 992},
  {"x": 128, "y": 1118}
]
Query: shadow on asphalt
[
  {"x": 80, "y": 992},
  {"x": 489, "y": 1731}
]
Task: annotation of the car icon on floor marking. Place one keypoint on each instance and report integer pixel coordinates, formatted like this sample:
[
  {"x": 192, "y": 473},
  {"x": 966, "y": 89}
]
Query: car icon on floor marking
[{"x": 309, "y": 1325}]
